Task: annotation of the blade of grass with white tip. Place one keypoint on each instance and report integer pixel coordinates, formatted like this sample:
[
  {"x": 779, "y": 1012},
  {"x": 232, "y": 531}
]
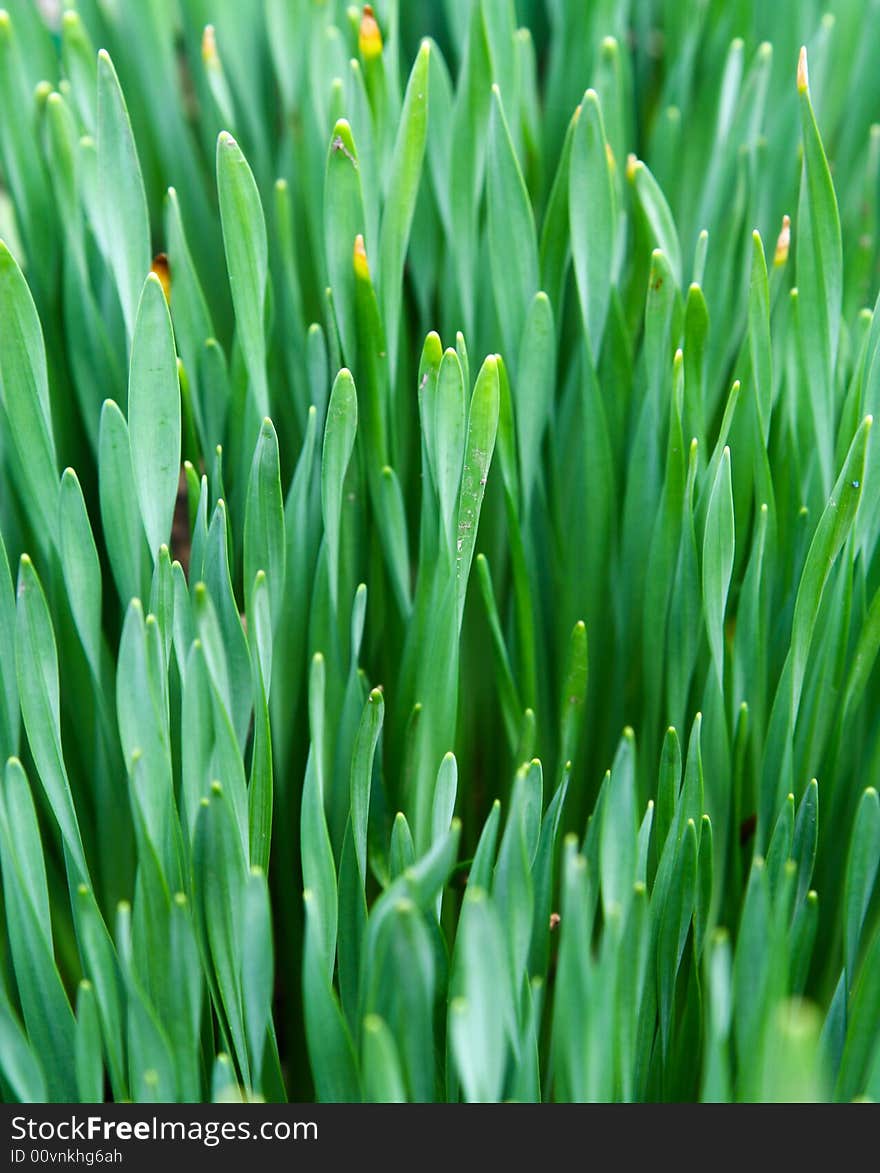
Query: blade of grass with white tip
[
  {"x": 513, "y": 244},
  {"x": 404, "y": 179},
  {"x": 81, "y": 567},
  {"x": 125, "y": 230},
  {"x": 154, "y": 414},
  {"x": 244, "y": 242}
]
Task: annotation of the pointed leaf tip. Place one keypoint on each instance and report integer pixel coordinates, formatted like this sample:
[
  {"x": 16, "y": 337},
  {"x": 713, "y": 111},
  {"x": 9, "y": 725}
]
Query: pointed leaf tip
[{"x": 803, "y": 80}]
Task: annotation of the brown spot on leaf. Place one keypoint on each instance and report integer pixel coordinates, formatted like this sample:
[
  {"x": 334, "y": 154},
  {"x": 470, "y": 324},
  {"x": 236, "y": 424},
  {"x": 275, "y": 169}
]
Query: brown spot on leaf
[
  {"x": 181, "y": 539},
  {"x": 162, "y": 269},
  {"x": 747, "y": 829}
]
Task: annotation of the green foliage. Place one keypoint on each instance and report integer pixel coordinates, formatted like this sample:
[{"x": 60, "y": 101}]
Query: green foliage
[{"x": 439, "y": 590}]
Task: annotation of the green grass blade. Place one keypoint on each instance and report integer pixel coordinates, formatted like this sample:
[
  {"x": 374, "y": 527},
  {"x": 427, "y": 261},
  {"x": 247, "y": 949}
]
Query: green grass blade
[
  {"x": 154, "y": 414},
  {"x": 244, "y": 242},
  {"x": 513, "y": 244},
  {"x": 404, "y": 178},
  {"x": 125, "y": 225}
]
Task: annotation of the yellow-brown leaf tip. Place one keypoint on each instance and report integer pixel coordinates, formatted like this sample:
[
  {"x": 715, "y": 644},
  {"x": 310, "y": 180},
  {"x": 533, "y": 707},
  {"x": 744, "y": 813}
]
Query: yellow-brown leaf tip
[
  {"x": 361, "y": 265},
  {"x": 369, "y": 36},
  {"x": 783, "y": 242},
  {"x": 162, "y": 270},
  {"x": 803, "y": 80},
  {"x": 209, "y": 47}
]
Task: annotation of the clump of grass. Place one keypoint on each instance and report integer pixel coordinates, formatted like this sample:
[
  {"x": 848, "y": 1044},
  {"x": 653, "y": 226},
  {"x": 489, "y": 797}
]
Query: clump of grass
[{"x": 468, "y": 523}]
